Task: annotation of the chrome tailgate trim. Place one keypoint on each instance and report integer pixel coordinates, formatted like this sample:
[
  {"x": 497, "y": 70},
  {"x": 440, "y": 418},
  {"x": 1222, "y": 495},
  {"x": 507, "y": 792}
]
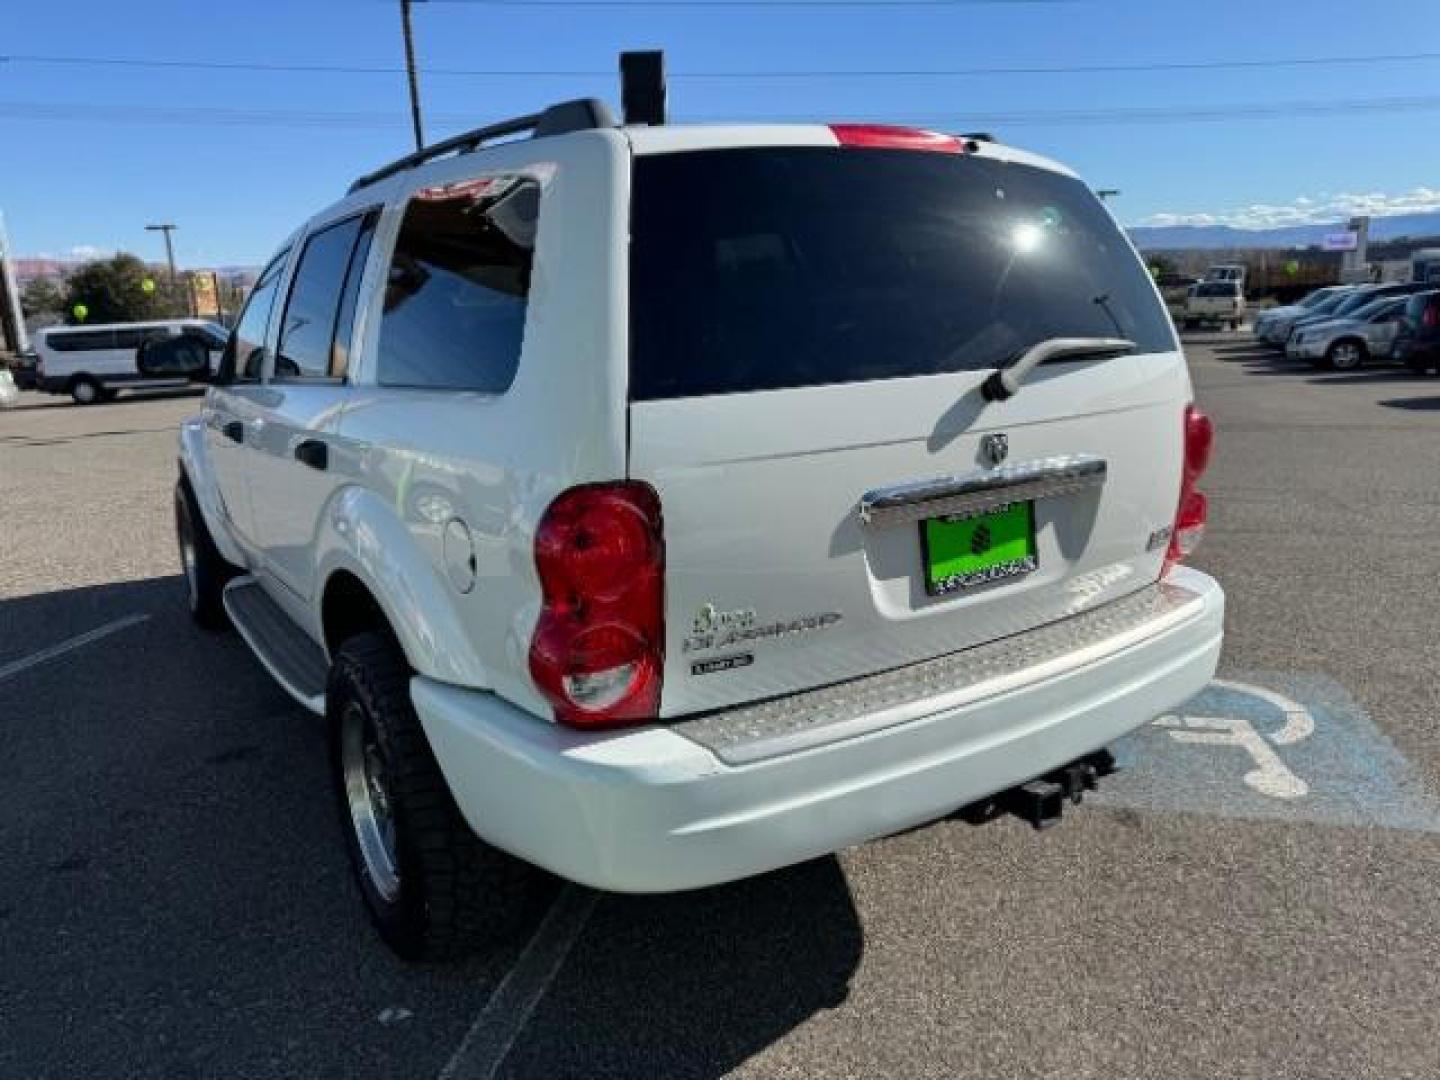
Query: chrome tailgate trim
[
  {"x": 981, "y": 491},
  {"x": 797, "y": 722}
]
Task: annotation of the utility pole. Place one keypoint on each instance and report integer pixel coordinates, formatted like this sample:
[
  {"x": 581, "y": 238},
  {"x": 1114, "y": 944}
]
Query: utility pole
[
  {"x": 12, "y": 319},
  {"x": 411, "y": 75},
  {"x": 167, "y": 229}
]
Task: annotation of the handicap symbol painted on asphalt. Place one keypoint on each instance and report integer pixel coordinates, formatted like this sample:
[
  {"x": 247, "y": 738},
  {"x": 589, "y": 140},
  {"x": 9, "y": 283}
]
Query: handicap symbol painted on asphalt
[
  {"x": 1270, "y": 776},
  {"x": 1295, "y": 747}
]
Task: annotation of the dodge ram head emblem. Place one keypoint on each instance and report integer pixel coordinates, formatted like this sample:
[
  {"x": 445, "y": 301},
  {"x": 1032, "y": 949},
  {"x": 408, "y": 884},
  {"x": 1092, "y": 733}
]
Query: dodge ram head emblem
[{"x": 994, "y": 449}]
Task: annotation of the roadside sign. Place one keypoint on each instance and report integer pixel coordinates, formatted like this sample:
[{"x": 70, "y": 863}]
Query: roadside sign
[{"x": 1348, "y": 240}]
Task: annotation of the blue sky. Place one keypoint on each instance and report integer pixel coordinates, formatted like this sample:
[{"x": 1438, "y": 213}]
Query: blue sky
[{"x": 90, "y": 152}]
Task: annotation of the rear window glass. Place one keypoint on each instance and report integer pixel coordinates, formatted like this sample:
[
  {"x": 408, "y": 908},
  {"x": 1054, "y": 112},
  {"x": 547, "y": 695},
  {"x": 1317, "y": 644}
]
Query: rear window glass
[{"x": 759, "y": 269}]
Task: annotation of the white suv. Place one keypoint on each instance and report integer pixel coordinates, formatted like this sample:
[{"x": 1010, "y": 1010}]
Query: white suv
[{"x": 661, "y": 505}]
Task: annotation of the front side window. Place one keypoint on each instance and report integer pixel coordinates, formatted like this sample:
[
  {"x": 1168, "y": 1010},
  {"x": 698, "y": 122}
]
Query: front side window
[
  {"x": 245, "y": 351},
  {"x": 307, "y": 331},
  {"x": 457, "y": 288}
]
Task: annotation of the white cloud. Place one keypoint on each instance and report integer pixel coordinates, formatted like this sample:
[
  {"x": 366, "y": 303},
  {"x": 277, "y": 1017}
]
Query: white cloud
[
  {"x": 1306, "y": 210},
  {"x": 88, "y": 251}
]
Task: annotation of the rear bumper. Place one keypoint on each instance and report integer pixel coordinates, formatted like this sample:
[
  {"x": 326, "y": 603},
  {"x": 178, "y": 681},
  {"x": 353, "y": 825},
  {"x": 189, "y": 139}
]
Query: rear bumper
[{"x": 650, "y": 810}]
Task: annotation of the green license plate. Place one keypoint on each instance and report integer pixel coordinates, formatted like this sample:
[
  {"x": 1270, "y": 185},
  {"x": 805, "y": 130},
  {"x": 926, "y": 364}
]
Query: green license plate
[{"x": 964, "y": 551}]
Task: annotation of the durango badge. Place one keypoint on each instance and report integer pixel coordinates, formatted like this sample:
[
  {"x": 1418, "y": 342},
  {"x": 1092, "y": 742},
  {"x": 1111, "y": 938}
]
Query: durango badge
[{"x": 715, "y": 629}]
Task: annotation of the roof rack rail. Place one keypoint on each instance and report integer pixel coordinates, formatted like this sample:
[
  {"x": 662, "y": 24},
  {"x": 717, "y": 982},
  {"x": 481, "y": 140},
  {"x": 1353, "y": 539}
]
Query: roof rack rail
[{"x": 582, "y": 114}]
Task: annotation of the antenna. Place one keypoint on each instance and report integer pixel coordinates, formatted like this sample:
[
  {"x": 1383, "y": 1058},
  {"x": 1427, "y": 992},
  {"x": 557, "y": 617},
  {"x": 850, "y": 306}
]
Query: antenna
[{"x": 642, "y": 87}]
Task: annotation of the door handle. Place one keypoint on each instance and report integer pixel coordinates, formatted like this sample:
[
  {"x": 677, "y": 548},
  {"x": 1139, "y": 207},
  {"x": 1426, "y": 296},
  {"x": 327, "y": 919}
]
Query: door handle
[
  {"x": 234, "y": 431},
  {"x": 313, "y": 452}
]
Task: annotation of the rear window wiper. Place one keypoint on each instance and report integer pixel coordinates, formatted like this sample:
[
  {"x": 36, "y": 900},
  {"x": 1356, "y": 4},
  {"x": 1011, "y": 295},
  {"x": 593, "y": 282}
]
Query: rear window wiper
[{"x": 1005, "y": 383}]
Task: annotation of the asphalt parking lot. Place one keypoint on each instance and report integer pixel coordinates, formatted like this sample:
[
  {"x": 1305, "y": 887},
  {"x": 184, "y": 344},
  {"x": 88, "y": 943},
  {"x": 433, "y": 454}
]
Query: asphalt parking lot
[{"x": 1255, "y": 895}]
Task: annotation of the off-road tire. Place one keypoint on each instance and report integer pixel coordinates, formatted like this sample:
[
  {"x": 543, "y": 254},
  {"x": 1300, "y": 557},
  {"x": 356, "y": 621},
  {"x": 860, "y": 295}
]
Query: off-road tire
[
  {"x": 456, "y": 894},
  {"x": 208, "y": 573}
]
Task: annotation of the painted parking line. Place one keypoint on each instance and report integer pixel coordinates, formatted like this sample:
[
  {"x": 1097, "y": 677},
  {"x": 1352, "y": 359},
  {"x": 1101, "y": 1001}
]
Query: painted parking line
[
  {"x": 54, "y": 652},
  {"x": 1274, "y": 746},
  {"x": 505, "y": 1015}
]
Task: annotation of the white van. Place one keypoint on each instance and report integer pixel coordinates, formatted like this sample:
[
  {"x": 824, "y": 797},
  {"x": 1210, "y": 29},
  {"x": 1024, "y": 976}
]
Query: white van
[{"x": 91, "y": 363}]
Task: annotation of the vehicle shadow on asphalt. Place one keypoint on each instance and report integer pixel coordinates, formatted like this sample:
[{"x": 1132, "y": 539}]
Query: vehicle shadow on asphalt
[
  {"x": 175, "y": 898},
  {"x": 693, "y": 984},
  {"x": 1417, "y": 404},
  {"x": 176, "y": 892}
]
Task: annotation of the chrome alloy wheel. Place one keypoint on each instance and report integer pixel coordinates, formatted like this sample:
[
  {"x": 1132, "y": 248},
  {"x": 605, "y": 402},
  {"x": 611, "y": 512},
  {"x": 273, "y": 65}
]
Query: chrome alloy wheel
[{"x": 366, "y": 795}]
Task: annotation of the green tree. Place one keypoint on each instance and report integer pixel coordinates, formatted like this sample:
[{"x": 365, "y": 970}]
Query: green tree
[
  {"x": 114, "y": 290},
  {"x": 42, "y": 300}
]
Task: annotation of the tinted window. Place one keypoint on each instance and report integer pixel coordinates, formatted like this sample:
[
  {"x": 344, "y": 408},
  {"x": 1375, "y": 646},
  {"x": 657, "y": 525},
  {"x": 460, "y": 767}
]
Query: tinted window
[
  {"x": 308, "y": 328},
  {"x": 182, "y": 354},
  {"x": 1224, "y": 288},
  {"x": 767, "y": 268},
  {"x": 345, "y": 322},
  {"x": 457, "y": 287},
  {"x": 245, "y": 352},
  {"x": 132, "y": 338},
  {"x": 81, "y": 340},
  {"x": 1354, "y": 302}
]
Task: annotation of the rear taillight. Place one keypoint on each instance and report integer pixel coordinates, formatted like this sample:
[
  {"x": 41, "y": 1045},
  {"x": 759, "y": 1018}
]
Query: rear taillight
[
  {"x": 599, "y": 647},
  {"x": 890, "y": 137},
  {"x": 1192, "y": 510}
]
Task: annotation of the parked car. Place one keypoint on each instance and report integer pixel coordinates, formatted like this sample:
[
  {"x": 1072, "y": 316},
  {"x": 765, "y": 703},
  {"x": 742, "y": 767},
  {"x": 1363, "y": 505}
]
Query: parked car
[
  {"x": 1215, "y": 302},
  {"x": 92, "y": 363},
  {"x": 1273, "y": 327},
  {"x": 1347, "y": 343},
  {"x": 1359, "y": 298},
  {"x": 1418, "y": 346},
  {"x": 744, "y": 537}
]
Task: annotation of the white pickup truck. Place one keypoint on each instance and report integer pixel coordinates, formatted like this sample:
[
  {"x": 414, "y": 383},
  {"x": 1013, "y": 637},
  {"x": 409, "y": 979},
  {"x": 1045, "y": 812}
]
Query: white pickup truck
[
  {"x": 1215, "y": 302},
  {"x": 658, "y": 505}
]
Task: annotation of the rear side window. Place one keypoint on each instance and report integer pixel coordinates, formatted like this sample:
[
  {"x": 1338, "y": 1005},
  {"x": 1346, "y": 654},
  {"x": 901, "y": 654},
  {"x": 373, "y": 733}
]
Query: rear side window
[
  {"x": 308, "y": 329},
  {"x": 458, "y": 285},
  {"x": 759, "y": 269}
]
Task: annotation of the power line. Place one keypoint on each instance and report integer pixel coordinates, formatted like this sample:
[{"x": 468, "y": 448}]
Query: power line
[
  {"x": 662, "y": 4},
  {"x": 227, "y": 116},
  {"x": 816, "y": 73}
]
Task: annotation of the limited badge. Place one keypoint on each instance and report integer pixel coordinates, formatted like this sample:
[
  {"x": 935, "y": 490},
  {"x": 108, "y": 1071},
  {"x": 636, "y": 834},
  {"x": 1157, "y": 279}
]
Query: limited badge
[{"x": 721, "y": 663}]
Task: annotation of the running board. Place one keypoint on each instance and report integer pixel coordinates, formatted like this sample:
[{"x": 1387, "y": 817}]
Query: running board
[{"x": 296, "y": 663}]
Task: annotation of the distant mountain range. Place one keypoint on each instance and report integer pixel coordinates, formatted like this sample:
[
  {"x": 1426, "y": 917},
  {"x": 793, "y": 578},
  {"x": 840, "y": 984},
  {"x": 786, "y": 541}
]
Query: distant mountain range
[{"x": 1163, "y": 237}]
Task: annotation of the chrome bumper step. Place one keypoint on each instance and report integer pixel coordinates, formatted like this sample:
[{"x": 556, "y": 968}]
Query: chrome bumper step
[{"x": 812, "y": 718}]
